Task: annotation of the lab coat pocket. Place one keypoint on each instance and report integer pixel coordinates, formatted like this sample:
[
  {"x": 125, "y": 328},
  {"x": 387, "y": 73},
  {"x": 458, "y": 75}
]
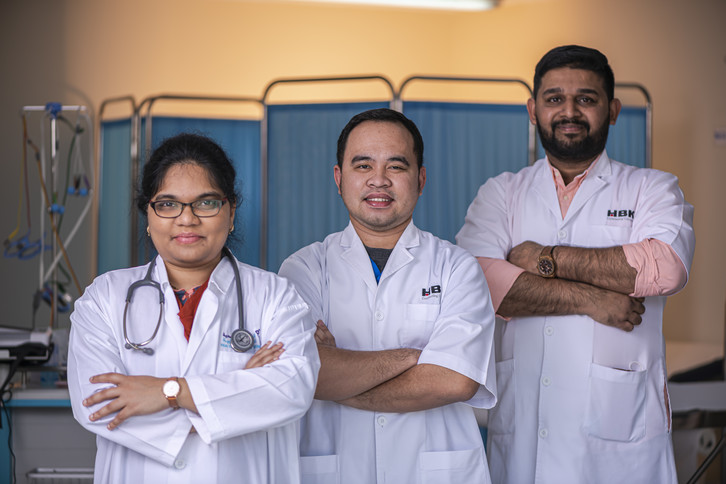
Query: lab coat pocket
[
  {"x": 419, "y": 325},
  {"x": 232, "y": 360},
  {"x": 451, "y": 466},
  {"x": 616, "y": 410},
  {"x": 320, "y": 469},
  {"x": 501, "y": 417}
]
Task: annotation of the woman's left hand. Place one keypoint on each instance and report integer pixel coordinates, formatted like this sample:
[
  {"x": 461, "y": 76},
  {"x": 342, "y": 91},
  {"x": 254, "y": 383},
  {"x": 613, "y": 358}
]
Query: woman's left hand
[
  {"x": 266, "y": 354},
  {"x": 131, "y": 395}
]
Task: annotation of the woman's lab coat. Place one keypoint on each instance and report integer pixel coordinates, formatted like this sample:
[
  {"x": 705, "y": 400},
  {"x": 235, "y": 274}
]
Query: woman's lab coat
[
  {"x": 247, "y": 426},
  {"x": 432, "y": 296},
  {"x": 580, "y": 402}
]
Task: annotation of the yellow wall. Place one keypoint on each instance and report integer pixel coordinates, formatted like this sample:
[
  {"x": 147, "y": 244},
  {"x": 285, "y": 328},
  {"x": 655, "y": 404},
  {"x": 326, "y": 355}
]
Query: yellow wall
[{"x": 84, "y": 51}]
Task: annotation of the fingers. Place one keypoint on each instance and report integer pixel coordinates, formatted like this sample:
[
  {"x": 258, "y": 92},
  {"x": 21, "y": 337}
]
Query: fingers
[
  {"x": 118, "y": 419},
  {"x": 101, "y": 396},
  {"x": 132, "y": 395},
  {"x": 266, "y": 354},
  {"x": 114, "y": 378},
  {"x": 637, "y": 309},
  {"x": 525, "y": 255},
  {"x": 106, "y": 410},
  {"x": 323, "y": 335}
]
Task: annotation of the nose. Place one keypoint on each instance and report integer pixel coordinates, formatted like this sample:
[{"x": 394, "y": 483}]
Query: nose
[
  {"x": 379, "y": 177},
  {"x": 187, "y": 217},
  {"x": 571, "y": 109}
]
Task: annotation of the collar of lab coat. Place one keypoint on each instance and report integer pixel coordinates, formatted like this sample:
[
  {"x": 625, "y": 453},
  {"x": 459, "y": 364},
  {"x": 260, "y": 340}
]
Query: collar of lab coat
[
  {"x": 220, "y": 279},
  {"x": 594, "y": 181},
  {"x": 354, "y": 253}
]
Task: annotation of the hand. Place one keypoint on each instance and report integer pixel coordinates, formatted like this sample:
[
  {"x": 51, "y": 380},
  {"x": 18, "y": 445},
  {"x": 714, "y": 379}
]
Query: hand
[
  {"x": 323, "y": 336},
  {"x": 526, "y": 255},
  {"x": 617, "y": 310},
  {"x": 131, "y": 395},
  {"x": 266, "y": 354}
]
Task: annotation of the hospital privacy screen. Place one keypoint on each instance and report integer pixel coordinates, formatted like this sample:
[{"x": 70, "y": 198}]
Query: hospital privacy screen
[{"x": 465, "y": 144}]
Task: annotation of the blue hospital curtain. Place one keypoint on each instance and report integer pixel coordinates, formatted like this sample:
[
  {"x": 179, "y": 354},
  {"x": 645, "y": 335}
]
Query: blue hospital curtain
[
  {"x": 303, "y": 201},
  {"x": 464, "y": 145},
  {"x": 115, "y": 193}
]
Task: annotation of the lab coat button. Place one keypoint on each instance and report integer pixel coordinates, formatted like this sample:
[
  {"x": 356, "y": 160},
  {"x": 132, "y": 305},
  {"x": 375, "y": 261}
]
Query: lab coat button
[
  {"x": 379, "y": 315},
  {"x": 381, "y": 421},
  {"x": 549, "y": 330},
  {"x": 546, "y": 381},
  {"x": 562, "y": 234},
  {"x": 180, "y": 464},
  {"x": 543, "y": 433}
]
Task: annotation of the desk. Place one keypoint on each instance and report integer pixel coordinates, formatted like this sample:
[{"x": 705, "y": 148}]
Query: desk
[{"x": 45, "y": 434}]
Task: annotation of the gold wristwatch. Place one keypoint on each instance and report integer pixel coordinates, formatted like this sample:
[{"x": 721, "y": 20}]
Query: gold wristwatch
[{"x": 546, "y": 263}]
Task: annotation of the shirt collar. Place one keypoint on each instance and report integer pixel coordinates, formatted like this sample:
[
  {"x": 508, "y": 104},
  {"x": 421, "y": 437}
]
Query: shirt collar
[{"x": 577, "y": 181}]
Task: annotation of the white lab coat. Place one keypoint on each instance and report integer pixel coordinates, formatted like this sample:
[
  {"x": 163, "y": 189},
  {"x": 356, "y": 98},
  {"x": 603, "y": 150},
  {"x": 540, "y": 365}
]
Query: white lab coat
[
  {"x": 431, "y": 296},
  {"x": 247, "y": 428},
  {"x": 580, "y": 402}
]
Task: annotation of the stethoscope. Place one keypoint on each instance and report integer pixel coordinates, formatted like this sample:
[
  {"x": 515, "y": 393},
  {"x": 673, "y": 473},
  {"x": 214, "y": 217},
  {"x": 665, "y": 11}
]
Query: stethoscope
[{"x": 241, "y": 339}]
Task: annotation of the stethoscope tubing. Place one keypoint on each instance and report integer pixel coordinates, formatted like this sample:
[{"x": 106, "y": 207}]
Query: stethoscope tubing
[{"x": 241, "y": 341}]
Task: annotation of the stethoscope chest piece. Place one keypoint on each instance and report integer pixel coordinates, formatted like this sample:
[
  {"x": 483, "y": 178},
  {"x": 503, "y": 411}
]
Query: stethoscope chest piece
[{"x": 242, "y": 340}]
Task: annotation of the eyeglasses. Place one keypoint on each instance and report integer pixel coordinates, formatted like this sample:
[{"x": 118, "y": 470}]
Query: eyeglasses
[{"x": 200, "y": 208}]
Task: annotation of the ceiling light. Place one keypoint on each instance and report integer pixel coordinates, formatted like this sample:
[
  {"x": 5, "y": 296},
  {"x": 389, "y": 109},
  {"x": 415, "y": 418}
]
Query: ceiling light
[{"x": 437, "y": 4}]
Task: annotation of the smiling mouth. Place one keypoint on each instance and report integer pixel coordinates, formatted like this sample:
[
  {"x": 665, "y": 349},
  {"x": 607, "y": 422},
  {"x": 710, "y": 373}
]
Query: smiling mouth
[
  {"x": 378, "y": 202},
  {"x": 187, "y": 238},
  {"x": 568, "y": 126}
]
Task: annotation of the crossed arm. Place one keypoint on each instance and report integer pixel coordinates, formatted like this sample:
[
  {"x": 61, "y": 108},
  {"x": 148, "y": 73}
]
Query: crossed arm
[
  {"x": 142, "y": 395},
  {"x": 387, "y": 380},
  {"x": 592, "y": 282}
]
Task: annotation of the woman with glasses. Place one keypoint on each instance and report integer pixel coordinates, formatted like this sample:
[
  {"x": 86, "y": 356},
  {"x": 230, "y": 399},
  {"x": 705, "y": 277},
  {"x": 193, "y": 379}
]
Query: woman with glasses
[{"x": 194, "y": 368}]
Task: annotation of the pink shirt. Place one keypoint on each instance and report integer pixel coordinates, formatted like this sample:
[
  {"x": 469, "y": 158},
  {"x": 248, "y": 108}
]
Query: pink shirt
[{"x": 659, "y": 270}]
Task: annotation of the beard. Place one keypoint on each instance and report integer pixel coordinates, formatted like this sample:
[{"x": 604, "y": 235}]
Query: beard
[{"x": 574, "y": 151}]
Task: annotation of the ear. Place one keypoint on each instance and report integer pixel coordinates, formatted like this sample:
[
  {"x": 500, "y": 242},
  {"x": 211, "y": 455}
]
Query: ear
[
  {"x": 337, "y": 175},
  {"x": 421, "y": 179},
  {"x": 615, "y": 106},
  {"x": 232, "y": 210},
  {"x": 530, "y": 110}
]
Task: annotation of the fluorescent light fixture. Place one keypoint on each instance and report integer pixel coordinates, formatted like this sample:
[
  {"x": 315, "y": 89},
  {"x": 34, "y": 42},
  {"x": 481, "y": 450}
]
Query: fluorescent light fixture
[{"x": 435, "y": 4}]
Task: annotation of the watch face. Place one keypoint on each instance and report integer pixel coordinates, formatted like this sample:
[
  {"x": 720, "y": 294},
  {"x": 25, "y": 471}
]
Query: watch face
[
  {"x": 546, "y": 267},
  {"x": 171, "y": 388}
]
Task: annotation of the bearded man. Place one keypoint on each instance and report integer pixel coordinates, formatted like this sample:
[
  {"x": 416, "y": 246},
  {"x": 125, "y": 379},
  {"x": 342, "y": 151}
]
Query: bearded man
[{"x": 579, "y": 252}]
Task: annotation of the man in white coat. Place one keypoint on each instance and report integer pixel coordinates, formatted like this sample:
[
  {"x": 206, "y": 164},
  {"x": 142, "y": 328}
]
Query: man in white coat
[
  {"x": 406, "y": 343},
  {"x": 580, "y": 252}
]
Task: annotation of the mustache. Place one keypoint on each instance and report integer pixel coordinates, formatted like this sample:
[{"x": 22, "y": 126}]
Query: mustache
[{"x": 580, "y": 122}]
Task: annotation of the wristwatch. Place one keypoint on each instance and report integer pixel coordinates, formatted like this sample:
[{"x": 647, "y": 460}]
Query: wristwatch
[
  {"x": 546, "y": 263},
  {"x": 171, "y": 390}
]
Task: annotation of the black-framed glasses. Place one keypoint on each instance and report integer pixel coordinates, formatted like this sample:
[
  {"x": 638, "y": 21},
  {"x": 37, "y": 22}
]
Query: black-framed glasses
[{"x": 208, "y": 207}]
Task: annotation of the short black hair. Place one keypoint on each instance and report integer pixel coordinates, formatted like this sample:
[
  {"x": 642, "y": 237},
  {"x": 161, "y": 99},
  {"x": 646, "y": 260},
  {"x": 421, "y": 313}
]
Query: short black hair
[
  {"x": 576, "y": 57},
  {"x": 381, "y": 115},
  {"x": 187, "y": 148}
]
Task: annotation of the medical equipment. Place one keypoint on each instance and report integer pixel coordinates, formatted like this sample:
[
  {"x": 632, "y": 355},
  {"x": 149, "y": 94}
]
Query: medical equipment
[{"x": 241, "y": 339}]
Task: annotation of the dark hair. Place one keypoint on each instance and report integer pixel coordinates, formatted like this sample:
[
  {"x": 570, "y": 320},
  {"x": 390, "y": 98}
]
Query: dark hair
[
  {"x": 576, "y": 57},
  {"x": 187, "y": 148},
  {"x": 381, "y": 115}
]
